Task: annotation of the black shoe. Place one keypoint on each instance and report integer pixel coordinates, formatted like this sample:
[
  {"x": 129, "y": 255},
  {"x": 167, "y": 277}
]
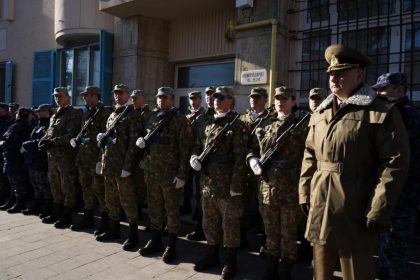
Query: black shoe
[
  {"x": 65, "y": 220},
  {"x": 153, "y": 245},
  {"x": 271, "y": 271},
  {"x": 133, "y": 238},
  {"x": 35, "y": 209},
  {"x": 17, "y": 207},
  {"x": 197, "y": 234},
  {"x": 170, "y": 251},
  {"x": 113, "y": 232},
  {"x": 46, "y": 209},
  {"x": 55, "y": 215},
  {"x": 185, "y": 210},
  {"x": 229, "y": 270},
  {"x": 85, "y": 222},
  {"x": 210, "y": 259},
  {"x": 10, "y": 202},
  {"x": 103, "y": 225},
  {"x": 244, "y": 239},
  {"x": 286, "y": 267}
]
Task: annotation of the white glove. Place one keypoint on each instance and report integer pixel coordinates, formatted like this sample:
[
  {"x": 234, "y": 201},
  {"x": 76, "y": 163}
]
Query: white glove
[
  {"x": 178, "y": 183},
  {"x": 141, "y": 143},
  {"x": 22, "y": 150},
  {"x": 255, "y": 166},
  {"x": 2, "y": 143},
  {"x": 100, "y": 136},
  {"x": 195, "y": 164},
  {"x": 125, "y": 174},
  {"x": 98, "y": 168},
  {"x": 232, "y": 193},
  {"x": 73, "y": 143}
]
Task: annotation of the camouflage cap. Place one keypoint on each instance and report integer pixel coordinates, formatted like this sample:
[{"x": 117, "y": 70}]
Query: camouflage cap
[
  {"x": 121, "y": 87},
  {"x": 258, "y": 91},
  {"x": 91, "y": 90},
  {"x": 196, "y": 94},
  {"x": 396, "y": 79},
  {"x": 341, "y": 57},
  {"x": 13, "y": 104},
  {"x": 165, "y": 91},
  {"x": 321, "y": 92},
  {"x": 60, "y": 91},
  {"x": 285, "y": 92},
  {"x": 43, "y": 107},
  {"x": 209, "y": 89},
  {"x": 225, "y": 91},
  {"x": 137, "y": 93},
  {"x": 4, "y": 106}
]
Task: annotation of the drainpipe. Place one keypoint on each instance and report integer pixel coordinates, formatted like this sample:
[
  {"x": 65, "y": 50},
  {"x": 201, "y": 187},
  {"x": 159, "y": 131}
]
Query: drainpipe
[{"x": 273, "y": 61}]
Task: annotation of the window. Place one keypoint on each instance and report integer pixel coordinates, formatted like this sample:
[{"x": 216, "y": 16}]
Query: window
[
  {"x": 358, "y": 9},
  {"x": 196, "y": 76},
  {"x": 318, "y": 10},
  {"x": 412, "y": 56}
]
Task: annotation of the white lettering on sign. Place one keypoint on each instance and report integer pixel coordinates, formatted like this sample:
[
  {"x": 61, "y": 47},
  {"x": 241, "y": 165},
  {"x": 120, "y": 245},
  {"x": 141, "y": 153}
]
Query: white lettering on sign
[{"x": 254, "y": 77}]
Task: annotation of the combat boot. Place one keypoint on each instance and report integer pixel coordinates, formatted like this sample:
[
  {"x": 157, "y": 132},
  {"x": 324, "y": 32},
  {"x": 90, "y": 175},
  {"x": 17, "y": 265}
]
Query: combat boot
[
  {"x": 197, "y": 234},
  {"x": 103, "y": 225},
  {"x": 112, "y": 232},
  {"x": 46, "y": 209},
  {"x": 210, "y": 259},
  {"x": 18, "y": 206},
  {"x": 85, "y": 222},
  {"x": 286, "y": 267},
  {"x": 229, "y": 270},
  {"x": 10, "y": 202},
  {"x": 271, "y": 271},
  {"x": 55, "y": 215},
  {"x": 133, "y": 238},
  {"x": 153, "y": 245},
  {"x": 65, "y": 219},
  {"x": 35, "y": 209},
  {"x": 170, "y": 250}
]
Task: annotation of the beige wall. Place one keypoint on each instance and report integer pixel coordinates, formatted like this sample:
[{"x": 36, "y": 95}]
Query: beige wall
[{"x": 32, "y": 30}]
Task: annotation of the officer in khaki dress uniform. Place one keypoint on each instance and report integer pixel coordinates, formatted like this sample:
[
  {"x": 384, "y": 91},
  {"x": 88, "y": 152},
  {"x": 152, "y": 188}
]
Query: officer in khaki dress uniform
[
  {"x": 93, "y": 186},
  {"x": 221, "y": 181},
  {"x": 64, "y": 125},
  {"x": 117, "y": 164},
  {"x": 278, "y": 195},
  {"x": 355, "y": 164}
]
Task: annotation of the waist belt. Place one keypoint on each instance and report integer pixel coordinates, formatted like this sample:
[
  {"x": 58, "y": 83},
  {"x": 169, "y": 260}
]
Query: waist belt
[
  {"x": 159, "y": 139},
  {"x": 282, "y": 163},
  {"x": 336, "y": 167},
  {"x": 219, "y": 158}
]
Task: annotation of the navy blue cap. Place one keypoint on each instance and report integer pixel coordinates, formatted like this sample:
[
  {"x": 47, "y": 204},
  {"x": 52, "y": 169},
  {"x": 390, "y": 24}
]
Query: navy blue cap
[{"x": 396, "y": 79}]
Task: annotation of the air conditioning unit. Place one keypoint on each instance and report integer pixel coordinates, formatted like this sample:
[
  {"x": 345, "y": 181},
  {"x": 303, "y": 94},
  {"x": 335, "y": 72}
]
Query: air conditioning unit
[{"x": 240, "y": 4}]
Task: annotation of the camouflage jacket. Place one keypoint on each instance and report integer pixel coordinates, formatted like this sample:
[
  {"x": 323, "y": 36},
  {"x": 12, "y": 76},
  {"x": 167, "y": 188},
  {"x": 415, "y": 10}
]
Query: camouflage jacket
[
  {"x": 64, "y": 125},
  {"x": 88, "y": 154},
  {"x": 224, "y": 170},
  {"x": 283, "y": 169},
  {"x": 141, "y": 117},
  {"x": 120, "y": 150},
  {"x": 168, "y": 152}
]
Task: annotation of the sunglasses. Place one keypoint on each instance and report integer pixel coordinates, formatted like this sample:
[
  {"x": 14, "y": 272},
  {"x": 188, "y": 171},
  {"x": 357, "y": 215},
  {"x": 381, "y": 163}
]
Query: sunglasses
[{"x": 219, "y": 97}]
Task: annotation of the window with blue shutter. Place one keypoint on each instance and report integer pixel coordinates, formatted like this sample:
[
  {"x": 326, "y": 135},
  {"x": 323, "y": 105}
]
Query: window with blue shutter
[
  {"x": 43, "y": 81},
  {"x": 106, "y": 48},
  {"x": 6, "y": 81}
]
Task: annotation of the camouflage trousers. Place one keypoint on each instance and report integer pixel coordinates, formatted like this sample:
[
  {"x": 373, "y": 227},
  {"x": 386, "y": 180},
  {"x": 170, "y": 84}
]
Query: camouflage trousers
[
  {"x": 141, "y": 190},
  {"x": 120, "y": 192},
  {"x": 39, "y": 180},
  {"x": 251, "y": 215},
  {"x": 17, "y": 184},
  {"x": 281, "y": 224},
  {"x": 393, "y": 245},
  {"x": 62, "y": 178},
  {"x": 93, "y": 188},
  {"x": 222, "y": 214},
  {"x": 163, "y": 197}
]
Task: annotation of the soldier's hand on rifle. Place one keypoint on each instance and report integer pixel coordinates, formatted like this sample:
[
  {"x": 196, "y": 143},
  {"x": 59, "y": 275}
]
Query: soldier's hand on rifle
[
  {"x": 255, "y": 165},
  {"x": 100, "y": 136},
  {"x": 195, "y": 164},
  {"x": 2, "y": 143},
  {"x": 141, "y": 143},
  {"x": 125, "y": 173},
  {"x": 98, "y": 168},
  {"x": 179, "y": 183},
  {"x": 73, "y": 142}
]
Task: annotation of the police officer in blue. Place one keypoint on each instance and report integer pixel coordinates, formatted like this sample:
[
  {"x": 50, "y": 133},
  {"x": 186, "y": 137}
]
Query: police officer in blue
[{"x": 392, "y": 251}]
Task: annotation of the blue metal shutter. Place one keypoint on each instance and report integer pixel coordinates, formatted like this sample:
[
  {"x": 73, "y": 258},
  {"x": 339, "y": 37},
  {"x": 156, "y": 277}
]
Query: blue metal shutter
[
  {"x": 43, "y": 81},
  {"x": 106, "y": 48},
  {"x": 8, "y": 85}
]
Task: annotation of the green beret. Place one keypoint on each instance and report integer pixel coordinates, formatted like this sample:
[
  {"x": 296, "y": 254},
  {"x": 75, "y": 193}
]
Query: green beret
[
  {"x": 61, "y": 91},
  {"x": 340, "y": 57},
  {"x": 285, "y": 92},
  {"x": 91, "y": 90}
]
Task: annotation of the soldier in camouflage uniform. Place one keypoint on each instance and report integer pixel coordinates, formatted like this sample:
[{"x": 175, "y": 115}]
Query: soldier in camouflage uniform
[
  {"x": 316, "y": 96},
  {"x": 278, "y": 194},
  {"x": 141, "y": 110},
  {"x": 194, "y": 111},
  {"x": 393, "y": 260},
  {"x": 7, "y": 197},
  {"x": 221, "y": 181},
  {"x": 64, "y": 125},
  {"x": 198, "y": 126},
  {"x": 117, "y": 164},
  {"x": 166, "y": 170},
  {"x": 93, "y": 186}
]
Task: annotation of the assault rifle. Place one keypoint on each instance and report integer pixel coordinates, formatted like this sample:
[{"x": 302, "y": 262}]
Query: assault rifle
[
  {"x": 112, "y": 126},
  {"x": 74, "y": 142},
  {"x": 270, "y": 110},
  {"x": 160, "y": 125},
  {"x": 211, "y": 147}
]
